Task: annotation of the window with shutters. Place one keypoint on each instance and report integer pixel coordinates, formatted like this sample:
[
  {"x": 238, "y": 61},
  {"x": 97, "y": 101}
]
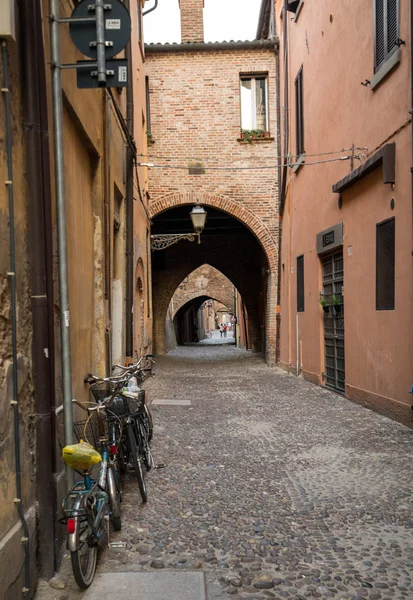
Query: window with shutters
[
  {"x": 300, "y": 283},
  {"x": 386, "y": 30},
  {"x": 299, "y": 113},
  {"x": 385, "y": 264}
]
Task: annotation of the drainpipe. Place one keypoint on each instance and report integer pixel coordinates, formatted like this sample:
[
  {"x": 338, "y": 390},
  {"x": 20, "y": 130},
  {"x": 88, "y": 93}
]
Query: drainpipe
[
  {"x": 150, "y": 9},
  {"x": 279, "y": 173},
  {"x": 285, "y": 109},
  {"x": 297, "y": 349},
  {"x": 39, "y": 208},
  {"x": 54, "y": 7},
  {"x": 129, "y": 201},
  {"x": 13, "y": 299}
]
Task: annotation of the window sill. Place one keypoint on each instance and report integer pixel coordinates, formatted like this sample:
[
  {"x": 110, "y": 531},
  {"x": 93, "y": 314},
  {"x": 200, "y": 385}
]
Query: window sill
[
  {"x": 299, "y": 162},
  {"x": 385, "y": 69},
  {"x": 254, "y": 140}
]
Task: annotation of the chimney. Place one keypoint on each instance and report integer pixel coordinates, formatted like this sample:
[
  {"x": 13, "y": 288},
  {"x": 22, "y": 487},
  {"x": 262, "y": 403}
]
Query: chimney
[{"x": 192, "y": 20}]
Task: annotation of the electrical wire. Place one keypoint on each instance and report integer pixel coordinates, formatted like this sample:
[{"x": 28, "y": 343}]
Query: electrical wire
[
  {"x": 193, "y": 158},
  {"x": 258, "y": 168}
]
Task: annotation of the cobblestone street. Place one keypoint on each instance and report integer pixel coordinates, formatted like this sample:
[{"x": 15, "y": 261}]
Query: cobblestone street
[{"x": 273, "y": 487}]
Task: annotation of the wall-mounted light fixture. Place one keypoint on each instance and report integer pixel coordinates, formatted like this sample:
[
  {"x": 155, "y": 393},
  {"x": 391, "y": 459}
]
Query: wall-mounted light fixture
[{"x": 164, "y": 240}]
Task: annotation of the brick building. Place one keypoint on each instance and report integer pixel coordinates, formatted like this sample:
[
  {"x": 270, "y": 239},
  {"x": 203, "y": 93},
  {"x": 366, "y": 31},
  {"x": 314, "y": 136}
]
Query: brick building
[{"x": 201, "y": 97}]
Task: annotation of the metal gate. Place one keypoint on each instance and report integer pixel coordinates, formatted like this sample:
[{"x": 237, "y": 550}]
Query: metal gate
[{"x": 334, "y": 320}]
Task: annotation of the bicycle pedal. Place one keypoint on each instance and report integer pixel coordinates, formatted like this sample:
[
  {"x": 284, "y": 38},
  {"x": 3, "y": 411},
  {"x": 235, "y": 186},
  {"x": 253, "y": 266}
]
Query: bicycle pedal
[{"x": 160, "y": 465}]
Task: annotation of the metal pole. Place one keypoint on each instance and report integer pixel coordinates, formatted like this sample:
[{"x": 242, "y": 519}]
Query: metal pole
[
  {"x": 100, "y": 42},
  {"x": 61, "y": 230}
]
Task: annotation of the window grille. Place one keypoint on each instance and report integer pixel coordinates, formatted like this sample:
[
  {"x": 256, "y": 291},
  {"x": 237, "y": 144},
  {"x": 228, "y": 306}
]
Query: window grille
[{"x": 385, "y": 264}]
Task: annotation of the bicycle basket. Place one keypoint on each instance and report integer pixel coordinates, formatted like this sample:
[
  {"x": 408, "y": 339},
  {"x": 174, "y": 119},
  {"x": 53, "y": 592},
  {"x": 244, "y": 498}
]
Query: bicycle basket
[
  {"x": 87, "y": 430},
  {"x": 101, "y": 391},
  {"x": 127, "y": 403}
]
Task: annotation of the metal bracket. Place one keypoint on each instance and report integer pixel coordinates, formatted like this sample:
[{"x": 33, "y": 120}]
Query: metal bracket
[
  {"x": 108, "y": 44},
  {"x": 92, "y": 7},
  {"x": 162, "y": 241},
  {"x": 108, "y": 72}
]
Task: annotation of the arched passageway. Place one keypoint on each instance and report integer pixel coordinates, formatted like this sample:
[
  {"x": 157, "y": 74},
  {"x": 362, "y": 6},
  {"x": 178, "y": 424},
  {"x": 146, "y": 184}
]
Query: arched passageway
[{"x": 228, "y": 245}]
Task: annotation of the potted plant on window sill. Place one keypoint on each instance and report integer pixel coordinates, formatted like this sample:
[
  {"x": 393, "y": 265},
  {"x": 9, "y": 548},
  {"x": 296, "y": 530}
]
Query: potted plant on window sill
[
  {"x": 248, "y": 135},
  {"x": 324, "y": 304},
  {"x": 337, "y": 304}
]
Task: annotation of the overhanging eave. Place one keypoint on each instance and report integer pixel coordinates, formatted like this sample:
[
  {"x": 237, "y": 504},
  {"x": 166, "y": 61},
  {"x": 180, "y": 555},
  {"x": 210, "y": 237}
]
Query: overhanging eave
[{"x": 385, "y": 157}]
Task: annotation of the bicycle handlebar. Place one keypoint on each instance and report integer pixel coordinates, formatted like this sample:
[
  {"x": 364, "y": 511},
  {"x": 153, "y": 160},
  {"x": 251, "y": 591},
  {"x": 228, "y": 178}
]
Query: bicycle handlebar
[
  {"x": 136, "y": 365},
  {"x": 90, "y": 378}
]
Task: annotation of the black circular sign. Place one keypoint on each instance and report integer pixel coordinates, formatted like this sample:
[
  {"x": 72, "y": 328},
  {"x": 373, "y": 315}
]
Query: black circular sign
[{"x": 117, "y": 27}]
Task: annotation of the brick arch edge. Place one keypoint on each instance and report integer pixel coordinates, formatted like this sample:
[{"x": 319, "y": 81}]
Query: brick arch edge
[{"x": 244, "y": 215}]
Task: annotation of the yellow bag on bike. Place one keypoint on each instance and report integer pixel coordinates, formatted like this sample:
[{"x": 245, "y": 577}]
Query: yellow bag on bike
[{"x": 80, "y": 456}]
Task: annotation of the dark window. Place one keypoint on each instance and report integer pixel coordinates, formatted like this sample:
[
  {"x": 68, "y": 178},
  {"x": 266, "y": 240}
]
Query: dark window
[
  {"x": 386, "y": 30},
  {"x": 299, "y": 113},
  {"x": 385, "y": 264},
  {"x": 300, "y": 283}
]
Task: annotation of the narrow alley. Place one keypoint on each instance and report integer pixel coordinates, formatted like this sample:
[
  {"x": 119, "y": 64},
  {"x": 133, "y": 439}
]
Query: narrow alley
[{"x": 273, "y": 488}]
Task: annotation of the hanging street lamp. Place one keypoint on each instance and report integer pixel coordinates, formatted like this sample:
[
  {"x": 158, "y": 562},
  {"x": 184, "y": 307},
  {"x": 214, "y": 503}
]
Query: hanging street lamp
[{"x": 198, "y": 217}]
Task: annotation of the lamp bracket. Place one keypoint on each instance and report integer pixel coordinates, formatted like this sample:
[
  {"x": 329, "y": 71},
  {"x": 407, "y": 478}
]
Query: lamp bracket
[{"x": 162, "y": 241}]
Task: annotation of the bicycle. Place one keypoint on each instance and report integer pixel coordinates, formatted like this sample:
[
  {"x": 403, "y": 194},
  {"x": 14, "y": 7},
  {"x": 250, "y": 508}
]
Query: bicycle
[
  {"x": 90, "y": 503},
  {"x": 130, "y": 409},
  {"x": 140, "y": 370}
]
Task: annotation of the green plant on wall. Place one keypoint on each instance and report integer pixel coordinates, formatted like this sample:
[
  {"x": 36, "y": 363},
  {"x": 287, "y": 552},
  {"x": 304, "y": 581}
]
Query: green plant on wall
[
  {"x": 335, "y": 300},
  {"x": 251, "y": 134},
  {"x": 323, "y": 301},
  {"x": 150, "y": 138}
]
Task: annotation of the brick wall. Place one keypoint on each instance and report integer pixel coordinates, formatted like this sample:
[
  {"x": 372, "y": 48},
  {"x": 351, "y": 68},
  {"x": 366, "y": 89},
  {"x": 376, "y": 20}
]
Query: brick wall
[{"x": 195, "y": 118}]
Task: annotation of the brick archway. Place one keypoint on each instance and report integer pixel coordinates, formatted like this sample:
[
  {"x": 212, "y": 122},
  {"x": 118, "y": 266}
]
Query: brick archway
[
  {"x": 246, "y": 280},
  {"x": 235, "y": 209},
  {"x": 204, "y": 281}
]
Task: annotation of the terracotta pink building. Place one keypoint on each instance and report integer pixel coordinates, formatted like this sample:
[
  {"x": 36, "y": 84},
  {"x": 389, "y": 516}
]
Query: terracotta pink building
[{"x": 346, "y": 275}]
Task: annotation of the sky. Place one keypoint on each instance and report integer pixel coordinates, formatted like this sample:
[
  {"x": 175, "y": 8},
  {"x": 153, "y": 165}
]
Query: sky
[{"x": 224, "y": 20}]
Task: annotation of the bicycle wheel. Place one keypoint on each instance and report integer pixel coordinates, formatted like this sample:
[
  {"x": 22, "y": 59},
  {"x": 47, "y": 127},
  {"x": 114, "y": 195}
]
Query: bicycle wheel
[
  {"x": 134, "y": 451},
  {"x": 85, "y": 557},
  {"x": 114, "y": 494},
  {"x": 148, "y": 421},
  {"x": 144, "y": 443}
]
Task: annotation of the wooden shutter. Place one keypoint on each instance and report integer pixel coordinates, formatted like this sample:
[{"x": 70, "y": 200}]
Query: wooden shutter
[
  {"x": 380, "y": 46},
  {"x": 392, "y": 24},
  {"x": 385, "y": 264},
  {"x": 300, "y": 283},
  {"x": 386, "y": 30}
]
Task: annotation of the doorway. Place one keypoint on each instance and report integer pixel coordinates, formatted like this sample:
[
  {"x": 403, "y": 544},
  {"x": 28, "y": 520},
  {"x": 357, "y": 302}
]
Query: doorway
[{"x": 332, "y": 266}]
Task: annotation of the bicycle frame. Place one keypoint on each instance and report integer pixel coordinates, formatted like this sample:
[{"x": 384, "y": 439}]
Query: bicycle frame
[{"x": 82, "y": 491}]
